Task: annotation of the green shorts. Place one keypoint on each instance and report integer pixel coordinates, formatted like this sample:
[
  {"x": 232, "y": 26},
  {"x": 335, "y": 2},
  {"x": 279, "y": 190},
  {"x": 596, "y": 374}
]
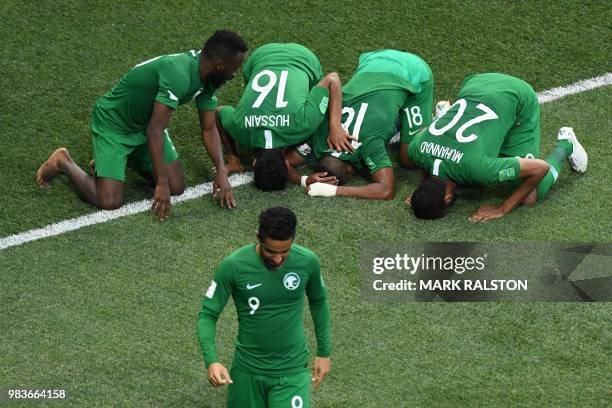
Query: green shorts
[
  {"x": 114, "y": 151},
  {"x": 255, "y": 390}
]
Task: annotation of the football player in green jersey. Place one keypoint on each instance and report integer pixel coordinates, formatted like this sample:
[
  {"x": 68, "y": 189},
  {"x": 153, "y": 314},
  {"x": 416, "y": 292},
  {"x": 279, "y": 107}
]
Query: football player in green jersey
[
  {"x": 491, "y": 134},
  {"x": 388, "y": 87},
  {"x": 268, "y": 281},
  {"x": 284, "y": 101},
  {"x": 129, "y": 126}
]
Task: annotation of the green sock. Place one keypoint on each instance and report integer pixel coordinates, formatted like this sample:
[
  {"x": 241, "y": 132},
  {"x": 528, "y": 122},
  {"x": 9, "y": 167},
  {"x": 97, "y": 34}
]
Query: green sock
[{"x": 556, "y": 158}]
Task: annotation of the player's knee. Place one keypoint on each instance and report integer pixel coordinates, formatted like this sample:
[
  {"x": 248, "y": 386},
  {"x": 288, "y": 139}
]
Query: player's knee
[
  {"x": 109, "y": 202},
  {"x": 177, "y": 187}
]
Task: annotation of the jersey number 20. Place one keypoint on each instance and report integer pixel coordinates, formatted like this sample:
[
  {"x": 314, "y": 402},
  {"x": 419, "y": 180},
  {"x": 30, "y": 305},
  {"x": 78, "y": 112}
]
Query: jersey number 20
[{"x": 459, "y": 135}]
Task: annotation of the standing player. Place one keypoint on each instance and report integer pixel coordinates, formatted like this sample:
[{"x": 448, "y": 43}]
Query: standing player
[
  {"x": 285, "y": 100},
  {"x": 491, "y": 134},
  {"x": 268, "y": 281},
  {"x": 129, "y": 125},
  {"x": 388, "y": 86}
]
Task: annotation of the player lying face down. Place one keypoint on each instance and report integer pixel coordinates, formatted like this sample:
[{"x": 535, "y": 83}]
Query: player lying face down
[
  {"x": 286, "y": 98},
  {"x": 490, "y": 135}
]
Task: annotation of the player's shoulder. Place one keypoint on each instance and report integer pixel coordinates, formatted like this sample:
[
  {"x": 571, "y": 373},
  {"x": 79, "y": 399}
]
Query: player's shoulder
[
  {"x": 240, "y": 256},
  {"x": 306, "y": 254}
]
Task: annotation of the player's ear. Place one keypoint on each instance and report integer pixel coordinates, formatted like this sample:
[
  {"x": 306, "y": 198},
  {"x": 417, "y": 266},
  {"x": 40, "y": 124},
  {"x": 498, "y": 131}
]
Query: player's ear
[{"x": 449, "y": 193}]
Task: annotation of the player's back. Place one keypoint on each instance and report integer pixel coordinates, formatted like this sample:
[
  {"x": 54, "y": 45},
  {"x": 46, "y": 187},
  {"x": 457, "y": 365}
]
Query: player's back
[
  {"x": 489, "y": 106},
  {"x": 280, "y": 105},
  {"x": 127, "y": 107}
]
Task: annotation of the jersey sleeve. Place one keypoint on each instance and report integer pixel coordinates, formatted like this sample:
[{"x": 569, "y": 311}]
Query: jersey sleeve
[
  {"x": 172, "y": 86},
  {"x": 206, "y": 100},
  {"x": 214, "y": 301},
  {"x": 319, "y": 308},
  {"x": 375, "y": 156}
]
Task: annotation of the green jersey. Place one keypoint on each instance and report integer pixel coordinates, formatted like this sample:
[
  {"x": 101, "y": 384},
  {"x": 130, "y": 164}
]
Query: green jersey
[
  {"x": 372, "y": 102},
  {"x": 169, "y": 79},
  {"x": 495, "y": 117},
  {"x": 414, "y": 76},
  {"x": 270, "y": 308},
  {"x": 281, "y": 105}
]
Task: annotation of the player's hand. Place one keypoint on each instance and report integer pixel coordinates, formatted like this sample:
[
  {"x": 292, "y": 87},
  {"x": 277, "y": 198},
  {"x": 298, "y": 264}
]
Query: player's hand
[
  {"x": 339, "y": 139},
  {"x": 218, "y": 375},
  {"x": 161, "y": 201},
  {"x": 320, "y": 368},
  {"x": 233, "y": 164},
  {"x": 321, "y": 178},
  {"x": 321, "y": 190},
  {"x": 487, "y": 212},
  {"x": 222, "y": 190}
]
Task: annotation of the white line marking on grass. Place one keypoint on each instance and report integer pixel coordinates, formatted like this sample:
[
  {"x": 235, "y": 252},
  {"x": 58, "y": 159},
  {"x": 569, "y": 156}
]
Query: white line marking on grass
[
  {"x": 236, "y": 180},
  {"x": 577, "y": 87},
  {"x": 104, "y": 216}
]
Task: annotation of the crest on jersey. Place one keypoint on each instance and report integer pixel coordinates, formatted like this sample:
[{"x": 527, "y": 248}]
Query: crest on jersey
[{"x": 291, "y": 280}]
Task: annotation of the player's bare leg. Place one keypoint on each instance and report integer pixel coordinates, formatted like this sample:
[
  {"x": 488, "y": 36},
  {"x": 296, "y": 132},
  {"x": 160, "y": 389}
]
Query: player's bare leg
[
  {"x": 175, "y": 174},
  {"x": 104, "y": 193}
]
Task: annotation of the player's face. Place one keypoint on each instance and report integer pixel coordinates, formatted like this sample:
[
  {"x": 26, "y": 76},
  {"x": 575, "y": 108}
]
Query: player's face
[
  {"x": 225, "y": 70},
  {"x": 274, "y": 252}
]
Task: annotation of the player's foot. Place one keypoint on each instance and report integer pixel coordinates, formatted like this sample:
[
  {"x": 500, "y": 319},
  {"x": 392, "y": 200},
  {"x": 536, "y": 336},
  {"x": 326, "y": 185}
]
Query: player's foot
[
  {"x": 441, "y": 108},
  {"x": 92, "y": 168},
  {"x": 50, "y": 168},
  {"x": 578, "y": 159}
]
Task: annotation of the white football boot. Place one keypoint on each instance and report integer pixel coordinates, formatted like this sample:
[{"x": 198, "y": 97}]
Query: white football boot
[
  {"x": 578, "y": 159},
  {"x": 441, "y": 108}
]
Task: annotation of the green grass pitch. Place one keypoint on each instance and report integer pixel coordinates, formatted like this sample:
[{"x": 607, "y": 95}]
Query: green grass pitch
[{"x": 108, "y": 312}]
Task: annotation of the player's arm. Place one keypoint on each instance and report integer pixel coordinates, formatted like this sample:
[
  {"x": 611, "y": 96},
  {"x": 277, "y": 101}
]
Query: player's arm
[
  {"x": 212, "y": 142},
  {"x": 532, "y": 171},
  {"x": 213, "y": 303},
  {"x": 381, "y": 188},
  {"x": 155, "y": 142},
  {"x": 404, "y": 159},
  {"x": 319, "y": 310},
  {"x": 229, "y": 145},
  {"x": 338, "y": 138},
  {"x": 293, "y": 159}
]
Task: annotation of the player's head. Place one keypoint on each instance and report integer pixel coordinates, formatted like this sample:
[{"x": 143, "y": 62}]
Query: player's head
[
  {"x": 225, "y": 51},
  {"x": 270, "y": 170},
  {"x": 335, "y": 167},
  {"x": 432, "y": 198},
  {"x": 276, "y": 232}
]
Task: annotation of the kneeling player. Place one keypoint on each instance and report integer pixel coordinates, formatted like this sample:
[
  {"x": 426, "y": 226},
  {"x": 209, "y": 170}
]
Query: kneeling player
[
  {"x": 285, "y": 100},
  {"x": 129, "y": 126},
  {"x": 388, "y": 87},
  {"x": 491, "y": 134}
]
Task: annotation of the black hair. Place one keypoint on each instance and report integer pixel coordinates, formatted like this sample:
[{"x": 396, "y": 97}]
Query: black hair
[
  {"x": 270, "y": 170},
  {"x": 334, "y": 167},
  {"x": 224, "y": 45},
  {"x": 277, "y": 223},
  {"x": 427, "y": 201}
]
